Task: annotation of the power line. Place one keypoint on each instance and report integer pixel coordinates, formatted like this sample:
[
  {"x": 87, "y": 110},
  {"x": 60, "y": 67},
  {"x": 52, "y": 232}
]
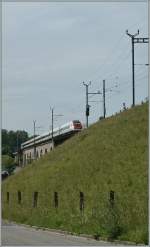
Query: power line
[
  {"x": 118, "y": 60},
  {"x": 146, "y": 76},
  {"x": 127, "y": 85},
  {"x": 103, "y": 67},
  {"x": 93, "y": 94},
  {"x": 116, "y": 46},
  {"x": 118, "y": 66},
  {"x": 99, "y": 68},
  {"x": 114, "y": 71}
]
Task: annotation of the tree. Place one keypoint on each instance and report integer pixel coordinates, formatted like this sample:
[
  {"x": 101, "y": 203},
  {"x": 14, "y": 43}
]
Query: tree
[
  {"x": 11, "y": 141},
  {"x": 8, "y": 163}
]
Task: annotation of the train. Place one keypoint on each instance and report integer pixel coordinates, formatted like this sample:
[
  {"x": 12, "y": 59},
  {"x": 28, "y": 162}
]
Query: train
[{"x": 70, "y": 127}]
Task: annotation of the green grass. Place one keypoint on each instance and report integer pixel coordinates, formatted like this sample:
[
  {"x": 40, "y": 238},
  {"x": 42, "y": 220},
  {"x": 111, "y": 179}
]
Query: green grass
[{"x": 110, "y": 155}]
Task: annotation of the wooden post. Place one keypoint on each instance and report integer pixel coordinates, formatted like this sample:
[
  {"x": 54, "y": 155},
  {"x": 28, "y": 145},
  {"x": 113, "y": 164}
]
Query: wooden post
[{"x": 35, "y": 199}]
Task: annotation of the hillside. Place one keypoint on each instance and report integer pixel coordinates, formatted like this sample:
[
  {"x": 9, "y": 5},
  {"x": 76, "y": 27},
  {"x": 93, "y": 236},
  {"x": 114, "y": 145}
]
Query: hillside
[{"x": 111, "y": 155}]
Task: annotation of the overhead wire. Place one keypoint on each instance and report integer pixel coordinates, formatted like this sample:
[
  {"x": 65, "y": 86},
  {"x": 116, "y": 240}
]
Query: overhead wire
[
  {"x": 114, "y": 66},
  {"x": 118, "y": 59},
  {"x": 102, "y": 68},
  {"x": 99, "y": 68},
  {"x": 121, "y": 63}
]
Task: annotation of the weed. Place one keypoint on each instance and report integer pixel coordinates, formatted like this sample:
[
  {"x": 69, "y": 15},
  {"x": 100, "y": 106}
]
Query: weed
[{"x": 111, "y": 155}]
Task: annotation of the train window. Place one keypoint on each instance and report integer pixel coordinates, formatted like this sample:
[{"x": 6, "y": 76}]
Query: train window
[
  {"x": 77, "y": 125},
  {"x": 76, "y": 121}
]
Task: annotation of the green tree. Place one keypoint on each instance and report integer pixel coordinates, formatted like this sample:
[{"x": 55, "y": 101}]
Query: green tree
[
  {"x": 11, "y": 141},
  {"x": 8, "y": 163}
]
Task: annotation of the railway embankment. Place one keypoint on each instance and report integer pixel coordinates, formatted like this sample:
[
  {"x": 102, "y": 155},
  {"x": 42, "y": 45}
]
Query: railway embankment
[{"x": 95, "y": 183}]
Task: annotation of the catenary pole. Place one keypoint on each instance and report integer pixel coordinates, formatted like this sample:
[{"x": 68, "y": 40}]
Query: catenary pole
[
  {"x": 133, "y": 71},
  {"x": 52, "y": 123},
  {"x": 34, "y": 121},
  {"x": 104, "y": 107},
  {"x": 18, "y": 147},
  {"x": 87, "y": 103},
  {"x": 53, "y": 126}
]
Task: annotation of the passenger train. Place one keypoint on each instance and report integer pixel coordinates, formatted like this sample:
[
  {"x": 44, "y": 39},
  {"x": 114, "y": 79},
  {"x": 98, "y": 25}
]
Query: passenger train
[{"x": 70, "y": 127}]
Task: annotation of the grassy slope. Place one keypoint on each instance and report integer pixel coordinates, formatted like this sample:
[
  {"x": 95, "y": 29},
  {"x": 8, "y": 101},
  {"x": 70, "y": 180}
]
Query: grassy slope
[{"x": 111, "y": 155}]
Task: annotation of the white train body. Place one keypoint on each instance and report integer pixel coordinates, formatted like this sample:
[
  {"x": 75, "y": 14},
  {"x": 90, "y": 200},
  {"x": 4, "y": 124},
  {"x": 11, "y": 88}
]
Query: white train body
[{"x": 70, "y": 127}]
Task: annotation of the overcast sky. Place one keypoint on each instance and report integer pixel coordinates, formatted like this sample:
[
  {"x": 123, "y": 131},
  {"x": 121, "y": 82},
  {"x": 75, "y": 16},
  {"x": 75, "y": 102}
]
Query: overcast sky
[{"x": 49, "y": 49}]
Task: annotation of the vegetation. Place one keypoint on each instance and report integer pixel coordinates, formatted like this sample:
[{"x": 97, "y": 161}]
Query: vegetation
[
  {"x": 8, "y": 163},
  {"x": 111, "y": 155},
  {"x": 11, "y": 141}
]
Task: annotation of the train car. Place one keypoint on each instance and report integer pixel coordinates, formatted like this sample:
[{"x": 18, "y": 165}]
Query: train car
[
  {"x": 74, "y": 125},
  {"x": 40, "y": 145},
  {"x": 70, "y": 127}
]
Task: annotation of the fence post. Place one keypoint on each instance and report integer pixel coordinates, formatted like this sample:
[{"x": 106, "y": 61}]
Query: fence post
[
  {"x": 81, "y": 201},
  {"x": 35, "y": 198},
  {"x": 56, "y": 199},
  {"x": 112, "y": 198},
  {"x": 19, "y": 197},
  {"x": 8, "y": 197}
]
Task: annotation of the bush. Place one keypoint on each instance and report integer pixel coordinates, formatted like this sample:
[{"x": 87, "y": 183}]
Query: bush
[
  {"x": 112, "y": 224},
  {"x": 8, "y": 163}
]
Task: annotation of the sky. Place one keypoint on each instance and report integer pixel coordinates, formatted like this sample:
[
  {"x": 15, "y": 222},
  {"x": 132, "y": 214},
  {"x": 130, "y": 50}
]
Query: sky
[{"x": 49, "y": 49}]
